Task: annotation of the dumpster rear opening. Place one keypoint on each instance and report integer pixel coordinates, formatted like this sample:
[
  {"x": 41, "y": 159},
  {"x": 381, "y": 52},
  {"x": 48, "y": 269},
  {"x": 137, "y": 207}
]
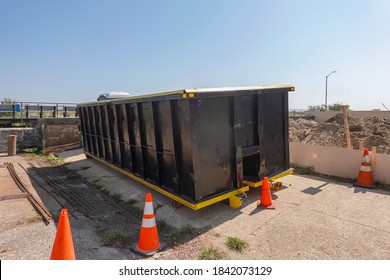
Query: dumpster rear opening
[{"x": 196, "y": 146}]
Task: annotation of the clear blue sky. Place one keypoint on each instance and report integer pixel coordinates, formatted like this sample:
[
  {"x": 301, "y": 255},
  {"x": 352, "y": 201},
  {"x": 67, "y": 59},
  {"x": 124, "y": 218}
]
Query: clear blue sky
[{"x": 70, "y": 51}]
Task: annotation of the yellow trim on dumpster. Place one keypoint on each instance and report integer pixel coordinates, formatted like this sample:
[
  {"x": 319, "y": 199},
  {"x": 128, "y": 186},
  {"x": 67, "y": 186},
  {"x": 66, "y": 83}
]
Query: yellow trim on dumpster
[
  {"x": 196, "y": 206},
  {"x": 273, "y": 178},
  {"x": 184, "y": 95},
  {"x": 191, "y": 95}
]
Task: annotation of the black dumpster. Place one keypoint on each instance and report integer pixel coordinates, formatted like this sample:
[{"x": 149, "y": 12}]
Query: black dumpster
[{"x": 197, "y": 146}]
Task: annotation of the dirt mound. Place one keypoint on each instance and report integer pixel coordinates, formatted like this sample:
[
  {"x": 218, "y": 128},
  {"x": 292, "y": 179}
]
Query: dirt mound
[{"x": 373, "y": 131}]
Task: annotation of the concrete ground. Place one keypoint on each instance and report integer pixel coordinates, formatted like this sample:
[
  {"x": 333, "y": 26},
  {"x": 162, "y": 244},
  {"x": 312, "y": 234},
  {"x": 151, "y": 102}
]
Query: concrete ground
[
  {"x": 315, "y": 218},
  {"x": 22, "y": 234}
]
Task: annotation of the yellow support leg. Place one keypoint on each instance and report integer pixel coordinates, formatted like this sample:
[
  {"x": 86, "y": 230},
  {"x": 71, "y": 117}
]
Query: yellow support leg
[{"x": 235, "y": 201}]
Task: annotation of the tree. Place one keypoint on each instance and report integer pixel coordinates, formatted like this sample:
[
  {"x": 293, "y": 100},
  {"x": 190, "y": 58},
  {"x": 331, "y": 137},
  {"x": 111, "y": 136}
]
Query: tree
[
  {"x": 331, "y": 107},
  {"x": 337, "y": 107},
  {"x": 8, "y": 101},
  {"x": 316, "y": 108}
]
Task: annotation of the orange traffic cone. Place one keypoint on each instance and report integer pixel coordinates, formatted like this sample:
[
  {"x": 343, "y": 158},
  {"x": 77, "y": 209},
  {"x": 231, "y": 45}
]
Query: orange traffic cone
[
  {"x": 148, "y": 242},
  {"x": 365, "y": 179},
  {"x": 266, "y": 199},
  {"x": 63, "y": 244}
]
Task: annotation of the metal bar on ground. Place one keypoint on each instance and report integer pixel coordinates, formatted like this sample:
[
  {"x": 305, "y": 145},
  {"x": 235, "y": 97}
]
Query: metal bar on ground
[
  {"x": 47, "y": 191},
  {"x": 38, "y": 206}
]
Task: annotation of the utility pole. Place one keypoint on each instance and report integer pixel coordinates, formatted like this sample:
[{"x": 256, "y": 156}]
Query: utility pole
[{"x": 326, "y": 89}]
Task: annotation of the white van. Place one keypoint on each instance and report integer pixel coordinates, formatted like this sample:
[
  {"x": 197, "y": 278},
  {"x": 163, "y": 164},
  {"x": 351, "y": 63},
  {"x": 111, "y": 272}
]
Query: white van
[{"x": 113, "y": 95}]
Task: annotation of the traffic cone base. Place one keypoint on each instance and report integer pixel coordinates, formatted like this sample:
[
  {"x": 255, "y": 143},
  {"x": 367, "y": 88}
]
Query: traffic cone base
[
  {"x": 364, "y": 186},
  {"x": 134, "y": 248},
  {"x": 265, "y": 199},
  {"x": 271, "y": 207}
]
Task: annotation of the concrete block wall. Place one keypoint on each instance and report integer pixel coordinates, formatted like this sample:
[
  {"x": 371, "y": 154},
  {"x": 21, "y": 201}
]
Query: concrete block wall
[
  {"x": 339, "y": 162},
  {"x": 55, "y": 135},
  {"x": 57, "y": 132},
  {"x": 44, "y": 133},
  {"x": 26, "y": 137}
]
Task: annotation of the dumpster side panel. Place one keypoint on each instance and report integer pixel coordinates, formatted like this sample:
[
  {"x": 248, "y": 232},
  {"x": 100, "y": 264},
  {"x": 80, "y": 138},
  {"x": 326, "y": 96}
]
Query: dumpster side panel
[
  {"x": 181, "y": 121},
  {"x": 123, "y": 137},
  {"x": 286, "y": 132},
  {"x": 83, "y": 127},
  {"x": 246, "y": 120},
  {"x": 87, "y": 130},
  {"x": 99, "y": 133},
  {"x": 165, "y": 146},
  {"x": 92, "y": 123},
  {"x": 106, "y": 134},
  {"x": 212, "y": 141},
  {"x": 272, "y": 133},
  {"x": 135, "y": 139},
  {"x": 103, "y": 144},
  {"x": 114, "y": 141},
  {"x": 246, "y": 134},
  {"x": 131, "y": 137},
  {"x": 148, "y": 141}
]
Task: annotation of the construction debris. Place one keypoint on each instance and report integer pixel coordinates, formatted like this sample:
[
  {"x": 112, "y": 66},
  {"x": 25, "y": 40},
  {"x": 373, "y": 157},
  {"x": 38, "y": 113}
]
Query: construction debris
[{"x": 373, "y": 131}]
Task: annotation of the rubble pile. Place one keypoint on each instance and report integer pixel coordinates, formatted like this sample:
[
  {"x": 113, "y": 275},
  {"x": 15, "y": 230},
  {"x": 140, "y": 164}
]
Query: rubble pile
[{"x": 373, "y": 131}]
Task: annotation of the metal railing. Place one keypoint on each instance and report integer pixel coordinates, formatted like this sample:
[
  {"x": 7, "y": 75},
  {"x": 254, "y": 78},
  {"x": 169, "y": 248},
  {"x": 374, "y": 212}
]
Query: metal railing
[{"x": 36, "y": 110}]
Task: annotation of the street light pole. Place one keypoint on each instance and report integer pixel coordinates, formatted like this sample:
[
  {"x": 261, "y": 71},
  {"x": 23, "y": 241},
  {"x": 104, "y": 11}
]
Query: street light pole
[{"x": 326, "y": 89}]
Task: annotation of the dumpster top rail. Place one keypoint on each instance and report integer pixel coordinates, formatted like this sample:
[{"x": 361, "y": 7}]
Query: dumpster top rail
[{"x": 192, "y": 93}]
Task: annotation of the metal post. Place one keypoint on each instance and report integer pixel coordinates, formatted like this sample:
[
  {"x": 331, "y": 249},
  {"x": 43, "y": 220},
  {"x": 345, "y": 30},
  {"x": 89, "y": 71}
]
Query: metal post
[
  {"x": 326, "y": 93},
  {"x": 11, "y": 145},
  {"x": 21, "y": 111}
]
